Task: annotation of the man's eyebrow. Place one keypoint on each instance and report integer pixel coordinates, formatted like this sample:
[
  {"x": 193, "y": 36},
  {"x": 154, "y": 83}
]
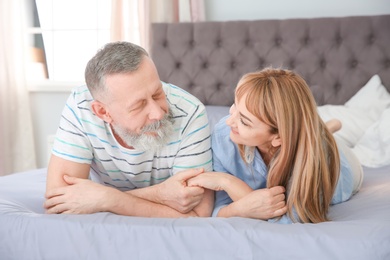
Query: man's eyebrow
[
  {"x": 130, "y": 106},
  {"x": 247, "y": 118},
  {"x": 159, "y": 91}
]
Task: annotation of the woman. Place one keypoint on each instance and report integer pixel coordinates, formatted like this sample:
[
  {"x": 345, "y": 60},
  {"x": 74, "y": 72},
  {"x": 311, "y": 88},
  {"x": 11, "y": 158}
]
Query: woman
[{"x": 275, "y": 137}]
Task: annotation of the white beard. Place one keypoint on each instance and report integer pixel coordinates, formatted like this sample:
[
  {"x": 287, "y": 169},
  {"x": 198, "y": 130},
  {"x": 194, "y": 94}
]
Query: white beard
[{"x": 145, "y": 141}]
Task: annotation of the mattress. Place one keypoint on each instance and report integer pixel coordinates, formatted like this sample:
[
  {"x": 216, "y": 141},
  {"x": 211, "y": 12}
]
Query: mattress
[{"x": 360, "y": 229}]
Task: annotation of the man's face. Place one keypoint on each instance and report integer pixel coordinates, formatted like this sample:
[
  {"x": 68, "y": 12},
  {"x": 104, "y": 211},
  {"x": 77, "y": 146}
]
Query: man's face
[
  {"x": 145, "y": 141},
  {"x": 136, "y": 107}
]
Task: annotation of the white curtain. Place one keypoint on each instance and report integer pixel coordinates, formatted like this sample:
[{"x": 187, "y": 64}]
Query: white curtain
[
  {"x": 16, "y": 132},
  {"x": 131, "y": 19}
]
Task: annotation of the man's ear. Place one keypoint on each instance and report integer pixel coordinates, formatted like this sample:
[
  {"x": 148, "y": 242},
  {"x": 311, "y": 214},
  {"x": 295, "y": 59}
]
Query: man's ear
[
  {"x": 101, "y": 111},
  {"x": 276, "y": 141}
]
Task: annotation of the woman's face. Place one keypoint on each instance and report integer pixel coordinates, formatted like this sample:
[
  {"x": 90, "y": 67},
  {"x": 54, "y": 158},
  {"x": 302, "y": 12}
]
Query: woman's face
[{"x": 247, "y": 129}]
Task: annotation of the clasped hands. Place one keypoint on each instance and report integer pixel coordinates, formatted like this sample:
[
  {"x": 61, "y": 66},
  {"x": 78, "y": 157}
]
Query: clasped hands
[{"x": 182, "y": 192}]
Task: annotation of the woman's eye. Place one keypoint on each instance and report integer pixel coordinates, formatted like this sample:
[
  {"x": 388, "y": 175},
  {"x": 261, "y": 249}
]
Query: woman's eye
[{"x": 242, "y": 122}]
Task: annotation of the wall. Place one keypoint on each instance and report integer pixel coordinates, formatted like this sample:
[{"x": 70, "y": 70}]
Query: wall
[
  {"x": 222, "y": 10},
  {"x": 46, "y": 106}
]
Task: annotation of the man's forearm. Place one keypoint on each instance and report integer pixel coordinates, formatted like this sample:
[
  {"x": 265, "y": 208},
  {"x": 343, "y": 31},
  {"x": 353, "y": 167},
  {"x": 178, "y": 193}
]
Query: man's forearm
[
  {"x": 59, "y": 167},
  {"x": 127, "y": 203},
  {"x": 148, "y": 193}
]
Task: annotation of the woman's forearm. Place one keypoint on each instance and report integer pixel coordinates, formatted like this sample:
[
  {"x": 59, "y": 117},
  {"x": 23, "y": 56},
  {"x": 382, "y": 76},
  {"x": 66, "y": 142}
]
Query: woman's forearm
[
  {"x": 217, "y": 181},
  {"x": 235, "y": 187}
]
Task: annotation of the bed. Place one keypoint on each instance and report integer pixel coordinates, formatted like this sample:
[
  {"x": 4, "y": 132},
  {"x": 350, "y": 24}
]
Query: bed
[{"x": 346, "y": 62}]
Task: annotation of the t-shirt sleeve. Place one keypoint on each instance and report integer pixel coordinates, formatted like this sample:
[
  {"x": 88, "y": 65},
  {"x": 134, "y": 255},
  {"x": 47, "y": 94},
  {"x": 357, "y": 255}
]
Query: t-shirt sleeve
[
  {"x": 71, "y": 142},
  {"x": 195, "y": 147},
  {"x": 344, "y": 187},
  {"x": 222, "y": 199}
]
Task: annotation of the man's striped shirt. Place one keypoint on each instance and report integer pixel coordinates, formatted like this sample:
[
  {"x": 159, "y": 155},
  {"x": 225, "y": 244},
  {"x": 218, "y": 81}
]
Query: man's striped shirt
[{"x": 83, "y": 137}]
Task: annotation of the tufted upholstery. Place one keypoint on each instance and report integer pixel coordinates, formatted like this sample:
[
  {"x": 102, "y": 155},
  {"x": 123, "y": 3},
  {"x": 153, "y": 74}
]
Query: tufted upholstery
[{"x": 336, "y": 56}]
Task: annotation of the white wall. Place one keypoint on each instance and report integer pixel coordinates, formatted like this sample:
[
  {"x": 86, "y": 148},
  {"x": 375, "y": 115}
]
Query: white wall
[
  {"x": 222, "y": 10},
  {"x": 47, "y": 106}
]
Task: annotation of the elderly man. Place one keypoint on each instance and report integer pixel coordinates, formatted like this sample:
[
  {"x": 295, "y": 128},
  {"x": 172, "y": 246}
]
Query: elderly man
[{"x": 140, "y": 139}]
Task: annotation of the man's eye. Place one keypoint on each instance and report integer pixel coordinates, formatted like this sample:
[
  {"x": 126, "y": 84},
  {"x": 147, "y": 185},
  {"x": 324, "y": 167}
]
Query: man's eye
[
  {"x": 138, "y": 106},
  {"x": 157, "y": 96}
]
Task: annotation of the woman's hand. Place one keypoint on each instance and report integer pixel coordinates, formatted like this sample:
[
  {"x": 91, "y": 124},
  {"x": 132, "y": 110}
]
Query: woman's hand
[
  {"x": 210, "y": 180},
  {"x": 265, "y": 203},
  {"x": 260, "y": 204},
  {"x": 235, "y": 187}
]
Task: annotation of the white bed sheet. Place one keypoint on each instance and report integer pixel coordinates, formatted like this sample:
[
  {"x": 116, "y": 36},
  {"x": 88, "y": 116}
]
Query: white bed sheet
[{"x": 360, "y": 230}]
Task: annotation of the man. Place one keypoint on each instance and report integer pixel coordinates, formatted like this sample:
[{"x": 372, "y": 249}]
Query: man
[{"x": 134, "y": 132}]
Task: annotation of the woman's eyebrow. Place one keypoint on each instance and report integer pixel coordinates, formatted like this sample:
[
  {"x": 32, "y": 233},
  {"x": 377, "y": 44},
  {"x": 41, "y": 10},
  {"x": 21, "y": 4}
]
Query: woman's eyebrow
[{"x": 247, "y": 118}]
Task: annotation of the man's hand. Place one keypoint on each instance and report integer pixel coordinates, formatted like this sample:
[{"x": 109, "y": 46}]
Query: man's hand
[
  {"x": 175, "y": 193},
  {"x": 263, "y": 204},
  {"x": 82, "y": 196}
]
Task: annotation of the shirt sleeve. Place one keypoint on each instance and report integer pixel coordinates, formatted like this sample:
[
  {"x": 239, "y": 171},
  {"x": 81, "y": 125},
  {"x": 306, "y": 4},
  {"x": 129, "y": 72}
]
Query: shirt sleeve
[
  {"x": 344, "y": 186},
  {"x": 195, "y": 147},
  {"x": 71, "y": 142},
  {"x": 222, "y": 199}
]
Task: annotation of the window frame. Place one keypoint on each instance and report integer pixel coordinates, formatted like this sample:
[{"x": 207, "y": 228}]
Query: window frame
[{"x": 58, "y": 85}]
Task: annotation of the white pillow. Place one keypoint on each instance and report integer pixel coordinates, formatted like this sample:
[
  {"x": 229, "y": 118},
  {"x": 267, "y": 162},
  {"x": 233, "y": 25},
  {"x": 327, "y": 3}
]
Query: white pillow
[
  {"x": 373, "y": 96},
  {"x": 355, "y": 121},
  {"x": 360, "y": 112},
  {"x": 373, "y": 149}
]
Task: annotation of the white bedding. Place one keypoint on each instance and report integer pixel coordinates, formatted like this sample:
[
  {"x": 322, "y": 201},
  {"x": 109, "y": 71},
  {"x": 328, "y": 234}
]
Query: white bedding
[{"x": 360, "y": 230}]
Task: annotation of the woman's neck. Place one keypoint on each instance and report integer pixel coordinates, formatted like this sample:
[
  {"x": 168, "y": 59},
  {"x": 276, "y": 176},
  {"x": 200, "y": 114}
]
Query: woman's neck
[{"x": 266, "y": 156}]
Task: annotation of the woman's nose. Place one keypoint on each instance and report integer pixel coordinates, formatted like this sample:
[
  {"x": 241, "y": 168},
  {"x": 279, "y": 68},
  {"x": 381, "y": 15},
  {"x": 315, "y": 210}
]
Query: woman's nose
[
  {"x": 231, "y": 109},
  {"x": 231, "y": 119}
]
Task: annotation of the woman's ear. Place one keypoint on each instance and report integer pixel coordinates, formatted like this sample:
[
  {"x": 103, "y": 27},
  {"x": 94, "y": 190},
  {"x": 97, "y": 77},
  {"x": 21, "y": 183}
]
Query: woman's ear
[
  {"x": 101, "y": 111},
  {"x": 276, "y": 141}
]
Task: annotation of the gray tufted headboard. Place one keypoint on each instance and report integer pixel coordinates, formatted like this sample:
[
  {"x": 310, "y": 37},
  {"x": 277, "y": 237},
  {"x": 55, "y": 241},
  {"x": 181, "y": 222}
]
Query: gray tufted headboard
[{"x": 336, "y": 56}]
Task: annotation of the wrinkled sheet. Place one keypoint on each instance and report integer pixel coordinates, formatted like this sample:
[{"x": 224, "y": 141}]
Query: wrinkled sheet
[{"x": 360, "y": 229}]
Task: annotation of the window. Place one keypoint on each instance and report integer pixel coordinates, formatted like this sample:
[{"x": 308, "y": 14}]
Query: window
[{"x": 66, "y": 34}]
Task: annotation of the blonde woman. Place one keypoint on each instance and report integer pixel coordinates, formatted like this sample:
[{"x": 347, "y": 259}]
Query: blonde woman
[{"x": 274, "y": 137}]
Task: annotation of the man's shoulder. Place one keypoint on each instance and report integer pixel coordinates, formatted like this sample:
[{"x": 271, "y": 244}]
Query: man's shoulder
[
  {"x": 176, "y": 95},
  {"x": 81, "y": 93},
  {"x": 79, "y": 103}
]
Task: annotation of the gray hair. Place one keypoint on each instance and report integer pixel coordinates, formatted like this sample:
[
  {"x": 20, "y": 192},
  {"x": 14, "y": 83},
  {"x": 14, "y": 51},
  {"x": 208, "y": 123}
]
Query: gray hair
[{"x": 113, "y": 58}]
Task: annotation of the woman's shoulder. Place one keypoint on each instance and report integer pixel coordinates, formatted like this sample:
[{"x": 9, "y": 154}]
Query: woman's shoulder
[{"x": 220, "y": 139}]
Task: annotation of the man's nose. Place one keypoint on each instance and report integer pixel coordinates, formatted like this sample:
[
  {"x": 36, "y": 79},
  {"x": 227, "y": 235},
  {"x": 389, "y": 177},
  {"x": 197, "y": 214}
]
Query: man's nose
[{"x": 156, "y": 113}]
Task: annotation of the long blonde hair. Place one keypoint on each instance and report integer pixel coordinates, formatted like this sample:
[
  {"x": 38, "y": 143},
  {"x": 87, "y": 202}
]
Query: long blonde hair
[{"x": 307, "y": 163}]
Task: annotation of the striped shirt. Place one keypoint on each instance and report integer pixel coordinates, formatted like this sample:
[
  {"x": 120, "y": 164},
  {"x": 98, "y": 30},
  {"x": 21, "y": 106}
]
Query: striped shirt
[{"x": 83, "y": 137}]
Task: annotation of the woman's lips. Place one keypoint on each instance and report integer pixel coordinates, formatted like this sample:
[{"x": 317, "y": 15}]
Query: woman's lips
[{"x": 233, "y": 131}]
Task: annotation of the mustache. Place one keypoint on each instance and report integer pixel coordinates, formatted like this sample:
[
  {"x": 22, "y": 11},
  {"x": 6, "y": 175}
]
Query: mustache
[{"x": 156, "y": 125}]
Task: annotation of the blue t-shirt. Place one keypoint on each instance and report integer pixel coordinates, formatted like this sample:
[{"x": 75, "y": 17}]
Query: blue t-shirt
[{"x": 226, "y": 158}]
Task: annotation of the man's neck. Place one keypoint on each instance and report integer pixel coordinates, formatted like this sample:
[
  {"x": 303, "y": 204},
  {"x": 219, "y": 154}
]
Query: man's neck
[{"x": 120, "y": 140}]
